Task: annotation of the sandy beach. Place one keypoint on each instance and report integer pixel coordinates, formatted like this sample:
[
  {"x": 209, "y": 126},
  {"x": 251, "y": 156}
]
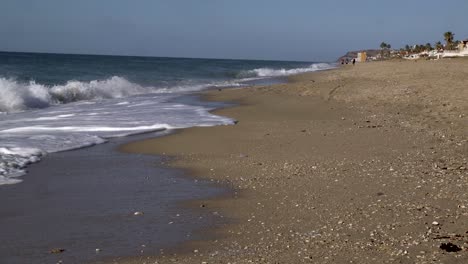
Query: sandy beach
[{"x": 363, "y": 164}]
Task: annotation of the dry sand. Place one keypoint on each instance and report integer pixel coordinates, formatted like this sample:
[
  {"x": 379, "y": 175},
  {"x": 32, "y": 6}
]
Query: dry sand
[{"x": 363, "y": 164}]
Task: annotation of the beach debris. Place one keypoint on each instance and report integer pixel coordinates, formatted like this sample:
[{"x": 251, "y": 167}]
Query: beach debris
[
  {"x": 138, "y": 213},
  {"x": 202, "y": 205},
  {"x": 442, "y": 237},
  {"x": 98, "y": 250},
  {"x": 56, "y": 250},
  {"x": 435, "y": 223},
  {"x": 450, "y": 247},
  {"x": 235, "y": 122}
]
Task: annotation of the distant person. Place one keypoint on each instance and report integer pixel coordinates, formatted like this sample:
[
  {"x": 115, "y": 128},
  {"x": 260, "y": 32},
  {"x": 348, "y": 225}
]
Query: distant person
[
  {"x": 347, "y": 60},
  {"x": 342, "y": 61},
  {"x": 354, "y": 61}
]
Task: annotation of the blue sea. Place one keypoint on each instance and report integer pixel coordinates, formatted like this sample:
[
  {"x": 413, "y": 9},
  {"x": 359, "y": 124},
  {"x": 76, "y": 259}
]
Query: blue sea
[{"x": 57, "y": 102}]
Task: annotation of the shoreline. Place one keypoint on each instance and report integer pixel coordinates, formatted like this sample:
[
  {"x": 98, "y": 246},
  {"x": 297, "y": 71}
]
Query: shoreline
[
  {"x": 303, "y": 151},
  {"x": 86, "y": 199}
]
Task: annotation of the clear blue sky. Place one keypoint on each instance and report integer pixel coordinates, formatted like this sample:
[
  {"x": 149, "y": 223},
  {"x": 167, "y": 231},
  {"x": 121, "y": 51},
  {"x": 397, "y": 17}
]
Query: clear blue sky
[{"x": 313, "y": 30}]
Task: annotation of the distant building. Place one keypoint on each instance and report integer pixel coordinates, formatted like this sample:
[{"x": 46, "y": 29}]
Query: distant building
[
  {"x": 412, "y": 57},
  {"x": 463, "y": 45},
  {"x": 462, "y": 50},
  {"x": 361, "y": 57}
]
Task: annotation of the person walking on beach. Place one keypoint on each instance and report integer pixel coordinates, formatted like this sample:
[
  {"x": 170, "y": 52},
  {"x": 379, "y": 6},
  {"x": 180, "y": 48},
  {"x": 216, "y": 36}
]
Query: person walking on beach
[{"x": 354, "y": 61}]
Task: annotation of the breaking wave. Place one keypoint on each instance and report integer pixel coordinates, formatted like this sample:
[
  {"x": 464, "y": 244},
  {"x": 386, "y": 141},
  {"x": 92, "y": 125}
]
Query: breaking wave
[
  {"x": 18, "y": 96},
  {"x": 269, "y": 72}
]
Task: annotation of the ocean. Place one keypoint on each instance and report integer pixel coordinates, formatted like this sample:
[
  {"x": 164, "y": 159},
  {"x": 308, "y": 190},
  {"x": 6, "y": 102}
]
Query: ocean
[{"x": 57, "y": 102}]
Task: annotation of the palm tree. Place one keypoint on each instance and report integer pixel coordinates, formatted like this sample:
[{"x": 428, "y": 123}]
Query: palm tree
[
  {"x": 428, "y": 46},
  {"x": 416, "y": 48},
  {"x": 439, "y": 45},
  {"x": 448, "y": 36},
  {"x": 386, "y": 47},
  {"x": 383, "y": 45},
  {"x": 407, "y": 48}
]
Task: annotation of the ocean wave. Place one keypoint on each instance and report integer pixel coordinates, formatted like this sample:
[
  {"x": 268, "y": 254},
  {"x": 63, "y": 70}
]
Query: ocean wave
[
  {"x": 27, "y": 136},
  {"x": 19, "y": 96},
  {"x": 270, "y": 72},
  {"x": 16, "y": 96},
  {"x": 199, "y": 87}
]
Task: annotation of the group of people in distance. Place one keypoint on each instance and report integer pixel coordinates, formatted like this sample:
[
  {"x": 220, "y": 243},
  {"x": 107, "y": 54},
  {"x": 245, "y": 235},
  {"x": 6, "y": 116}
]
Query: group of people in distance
[{"x": 343, "y": 61}]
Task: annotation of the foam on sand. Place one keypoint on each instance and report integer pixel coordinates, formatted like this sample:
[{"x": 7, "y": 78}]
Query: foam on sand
[
  {"x": 26, "y": 136},
  {"x": 14, "y": 160}
]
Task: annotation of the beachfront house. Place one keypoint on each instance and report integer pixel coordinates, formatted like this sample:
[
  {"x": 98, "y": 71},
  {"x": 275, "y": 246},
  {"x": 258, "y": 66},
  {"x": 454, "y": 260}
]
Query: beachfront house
[
  {"x": 361, "y": 57},
  {"x": 462, "y": 50},
  {"x": 463, "y": 45}
]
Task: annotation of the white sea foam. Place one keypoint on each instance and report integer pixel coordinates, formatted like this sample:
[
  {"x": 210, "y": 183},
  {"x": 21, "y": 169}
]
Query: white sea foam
[
  {"x": 14, "y": 160},
  {"x": 269, "y": 72},
  {"x": 198, "y": 87},
  {"x": 26, "y": 136},
  {"x": 15, "y": 96},
  {"x": 18, "y": 96},
  {"x": 41, "y": 129}
]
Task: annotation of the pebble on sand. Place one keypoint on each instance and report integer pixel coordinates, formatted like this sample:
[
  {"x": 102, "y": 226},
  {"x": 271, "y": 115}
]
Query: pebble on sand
[{"x": 56, "y": 250}]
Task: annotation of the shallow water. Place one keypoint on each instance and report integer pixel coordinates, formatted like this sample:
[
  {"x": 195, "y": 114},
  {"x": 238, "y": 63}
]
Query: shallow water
[{"x": 86, "y": 199}]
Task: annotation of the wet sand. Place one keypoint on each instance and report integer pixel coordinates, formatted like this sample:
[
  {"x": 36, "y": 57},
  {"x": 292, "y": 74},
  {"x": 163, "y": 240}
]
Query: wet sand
[
  {"x": 84, "y": 200},
  {"x": 364, "y": 164}
]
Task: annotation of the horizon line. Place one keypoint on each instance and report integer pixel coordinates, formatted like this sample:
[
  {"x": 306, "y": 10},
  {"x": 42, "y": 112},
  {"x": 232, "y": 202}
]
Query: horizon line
[{"x": 151, "y": 56}]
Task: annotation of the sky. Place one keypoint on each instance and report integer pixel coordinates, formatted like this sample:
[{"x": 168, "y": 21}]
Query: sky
[{"x": 304, "y": 30}]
